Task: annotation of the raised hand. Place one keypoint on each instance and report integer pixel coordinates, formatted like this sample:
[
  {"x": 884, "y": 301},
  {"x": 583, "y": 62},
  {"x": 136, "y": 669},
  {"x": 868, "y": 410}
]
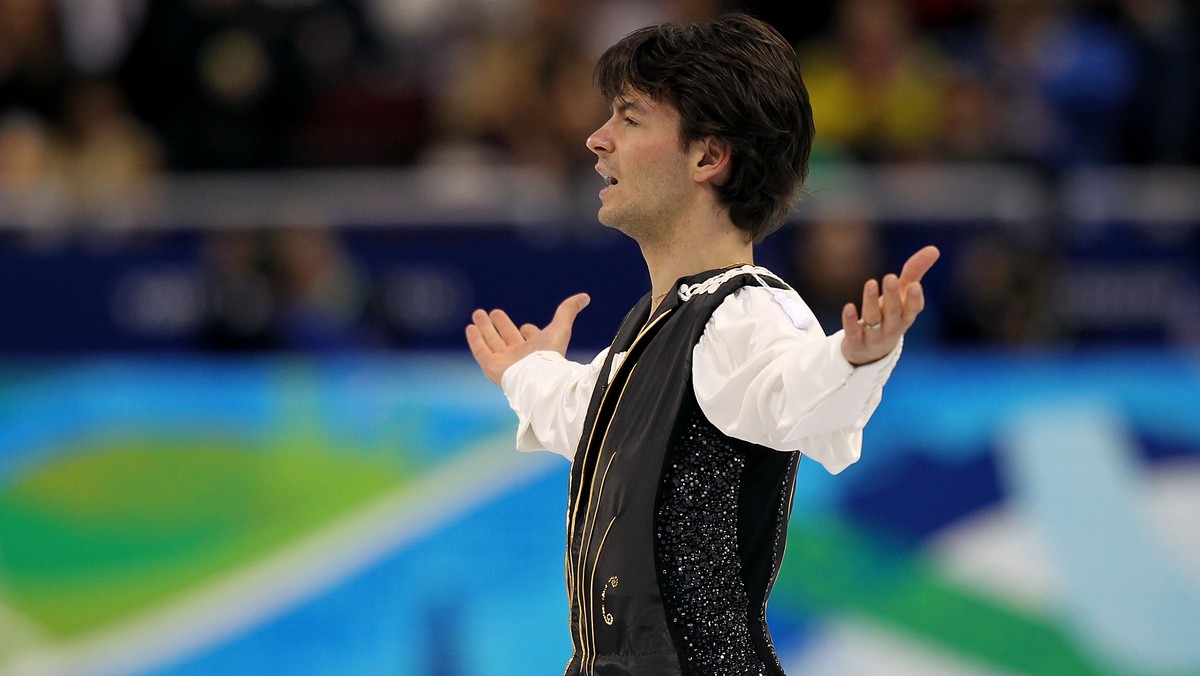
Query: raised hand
[
  {"x": 497, "y": 343},
  {"x": 886, "y": 316}
]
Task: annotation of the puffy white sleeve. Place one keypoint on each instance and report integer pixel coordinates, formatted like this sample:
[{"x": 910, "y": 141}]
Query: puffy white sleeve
[
  {"x": 550, "y": 395},
  {"x": 765, "y": 372}
]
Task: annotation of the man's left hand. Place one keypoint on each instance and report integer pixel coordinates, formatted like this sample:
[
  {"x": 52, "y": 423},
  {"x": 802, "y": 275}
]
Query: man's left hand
[{"x": 886, "y": 316}]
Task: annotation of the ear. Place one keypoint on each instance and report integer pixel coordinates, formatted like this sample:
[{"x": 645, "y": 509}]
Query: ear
[{"x": 714, "y": 159}]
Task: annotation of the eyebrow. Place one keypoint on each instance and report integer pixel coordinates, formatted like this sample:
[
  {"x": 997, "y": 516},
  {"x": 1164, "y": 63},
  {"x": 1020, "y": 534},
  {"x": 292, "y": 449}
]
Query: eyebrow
[{"x": 622, "y": 106}]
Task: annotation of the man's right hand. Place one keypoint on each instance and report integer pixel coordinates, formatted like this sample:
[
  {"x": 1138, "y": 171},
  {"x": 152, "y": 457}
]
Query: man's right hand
[{"x": 497, "y": 343}]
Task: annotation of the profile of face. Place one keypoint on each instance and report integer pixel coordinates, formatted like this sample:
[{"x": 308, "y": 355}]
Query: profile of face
[{"x": 647, "y": 172}]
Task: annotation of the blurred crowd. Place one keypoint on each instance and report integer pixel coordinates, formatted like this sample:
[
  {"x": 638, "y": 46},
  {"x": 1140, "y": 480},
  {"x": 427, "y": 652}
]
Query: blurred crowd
[
  {"x": 98, "y": 95},
  {"x": 117, "y": 87}
]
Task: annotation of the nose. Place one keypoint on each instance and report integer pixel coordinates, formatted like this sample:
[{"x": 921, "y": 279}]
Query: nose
[{"x": 600, "y": 140}]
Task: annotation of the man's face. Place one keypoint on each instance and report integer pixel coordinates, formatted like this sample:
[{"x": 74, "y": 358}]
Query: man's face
[{"x": 646, "y": 169}]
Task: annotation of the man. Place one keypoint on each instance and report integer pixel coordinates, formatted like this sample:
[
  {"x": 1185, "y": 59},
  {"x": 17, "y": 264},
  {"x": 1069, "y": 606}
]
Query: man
[{"x": 685, "y": 434}]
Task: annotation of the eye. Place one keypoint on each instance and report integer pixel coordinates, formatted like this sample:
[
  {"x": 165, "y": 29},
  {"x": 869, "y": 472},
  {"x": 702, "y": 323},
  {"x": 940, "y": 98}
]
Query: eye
[{"x": 630, "y": 121}]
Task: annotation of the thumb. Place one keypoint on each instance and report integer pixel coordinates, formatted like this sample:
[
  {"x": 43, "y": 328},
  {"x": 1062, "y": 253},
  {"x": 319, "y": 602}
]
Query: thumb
[{"x": 564, "y": 316}]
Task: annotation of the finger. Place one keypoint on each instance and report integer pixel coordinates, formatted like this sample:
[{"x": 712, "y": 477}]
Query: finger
[
  {"x": 475, "y": 341},
  {"x": 564, "y": 316},
  {"x": 870, "y": 303},
  {"x": 529, "y": 331},
  {"x": 914, "y": 302},
  {"x": 918, "y": 264},
  {"x": 854, "y": 338},
  {"x": 850, "y": 323},
  {"x": 891, "y": 301},
  {"x": 487, "y": 330},
  {"x": 508, "y": 331}
]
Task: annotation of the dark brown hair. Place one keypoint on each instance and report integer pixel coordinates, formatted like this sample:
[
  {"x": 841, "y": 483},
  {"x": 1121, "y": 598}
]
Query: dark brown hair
[{"x": 734, "y": 79}]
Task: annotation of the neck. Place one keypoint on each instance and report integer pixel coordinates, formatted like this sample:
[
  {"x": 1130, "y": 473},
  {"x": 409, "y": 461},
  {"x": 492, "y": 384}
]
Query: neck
[{"x": 698, "y": 251}]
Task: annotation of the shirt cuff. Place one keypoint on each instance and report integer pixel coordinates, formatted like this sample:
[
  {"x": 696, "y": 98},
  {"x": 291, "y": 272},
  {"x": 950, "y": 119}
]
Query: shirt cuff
[
  {"x": 870, "y": 378},
  {"x": 887, "y": 361},
  {"x": 514, "y": 385}
]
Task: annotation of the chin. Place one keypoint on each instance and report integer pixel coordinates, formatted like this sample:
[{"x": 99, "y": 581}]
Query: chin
[{"x": 606, "y": 219}]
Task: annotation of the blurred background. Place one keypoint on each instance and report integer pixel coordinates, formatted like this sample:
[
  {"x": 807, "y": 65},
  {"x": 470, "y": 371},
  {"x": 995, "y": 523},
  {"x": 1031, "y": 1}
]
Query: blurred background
[{"x": 240, "y": 432}]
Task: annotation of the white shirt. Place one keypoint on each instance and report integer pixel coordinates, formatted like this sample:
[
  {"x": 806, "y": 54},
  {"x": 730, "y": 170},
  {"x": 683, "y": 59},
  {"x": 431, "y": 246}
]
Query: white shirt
[{"x": 763, "y": 371}]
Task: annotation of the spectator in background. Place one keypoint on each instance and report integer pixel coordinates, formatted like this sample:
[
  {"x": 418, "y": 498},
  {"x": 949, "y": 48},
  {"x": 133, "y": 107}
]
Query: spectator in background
[
  {"x": 799, "y": 22},
  {"x": 33, "y": 179},
  {"x": 364, "y": 104},
  {"x": 1064, "y": 78},
  {"x": 96, "y": 33},
  {"x": 33, "y": 69},
  {"x": 217, "y": 80},
  {"x": 523, "y": 96},
  {"x": 73, "y": 155},
  {"x": 239, "y": 298},
  {"x": 829, "y": 257},
  {"x": 997, "y": 295},
  {"x": 291, "y": 286},
  {"x": 111, "y": 155},
  {"x": 876, "y": 84},
  {"x": 522, "y": 92},
  {"x": 34, "y": 73},
  {"x": 970, "y": 128},
  {"x": 321, "y": 294},
  {"x": 1164, "y": 124},
  {"x": 610, "y": 20}
]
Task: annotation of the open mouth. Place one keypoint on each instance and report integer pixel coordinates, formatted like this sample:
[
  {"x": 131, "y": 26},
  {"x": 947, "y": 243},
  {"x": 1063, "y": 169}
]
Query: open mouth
[{"x": 608, "y": 178}]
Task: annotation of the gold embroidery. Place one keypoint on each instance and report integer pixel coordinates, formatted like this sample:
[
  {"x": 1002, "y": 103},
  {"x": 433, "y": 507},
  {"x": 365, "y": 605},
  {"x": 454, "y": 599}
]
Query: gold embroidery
[{"x": 612, "y": 583}]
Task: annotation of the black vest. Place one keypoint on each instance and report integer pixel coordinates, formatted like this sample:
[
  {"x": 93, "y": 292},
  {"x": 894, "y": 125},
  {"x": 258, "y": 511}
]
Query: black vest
[{"x": 675, "y": 531}]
